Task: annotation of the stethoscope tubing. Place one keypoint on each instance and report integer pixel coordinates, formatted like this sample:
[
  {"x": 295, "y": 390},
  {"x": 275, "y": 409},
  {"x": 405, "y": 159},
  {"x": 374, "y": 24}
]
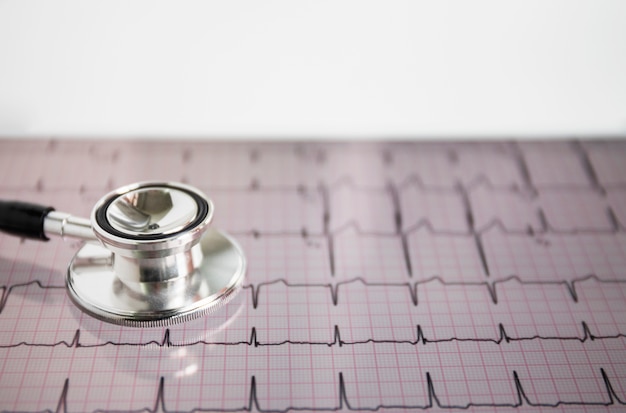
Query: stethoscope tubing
[{"x": 36, "y": 221}]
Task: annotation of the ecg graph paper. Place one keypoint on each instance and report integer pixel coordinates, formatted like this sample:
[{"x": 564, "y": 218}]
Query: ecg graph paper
[{"x": 381, "y": 277}]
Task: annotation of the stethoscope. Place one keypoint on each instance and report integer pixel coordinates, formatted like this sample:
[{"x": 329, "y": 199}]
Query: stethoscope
[{"x": 155, "y": 260}]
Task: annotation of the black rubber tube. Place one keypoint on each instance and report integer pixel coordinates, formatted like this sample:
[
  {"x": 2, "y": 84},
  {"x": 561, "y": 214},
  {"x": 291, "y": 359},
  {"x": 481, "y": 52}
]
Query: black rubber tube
[{"x": 23, "y": 219}]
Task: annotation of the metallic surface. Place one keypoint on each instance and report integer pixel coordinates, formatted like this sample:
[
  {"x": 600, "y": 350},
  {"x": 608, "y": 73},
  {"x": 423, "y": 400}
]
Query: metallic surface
[
  {"x": 96, "y": 288},
  {"x": 67, "y": 225},
  {"x": 158, "y": 262},
  {"x": 153, "y": 244},
  {"x": 162, "y": 210}
]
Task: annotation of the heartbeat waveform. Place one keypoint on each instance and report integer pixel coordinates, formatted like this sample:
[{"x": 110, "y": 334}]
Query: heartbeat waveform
[
  {"x": 344, "y": 402},
  {"x": 614, "y": 227},
  {"x": 7, "y": 290},
  {"x": 412, "y": 181},
  {"x": 317, "y": 156},
  {"x": 337, "y": 341},
  {"x": 411, "y": 287},
  {"x": 613, "y": 224}
]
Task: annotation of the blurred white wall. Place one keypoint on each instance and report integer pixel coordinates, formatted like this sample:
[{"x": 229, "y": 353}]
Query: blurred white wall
[{"x": 275, "y": 69}]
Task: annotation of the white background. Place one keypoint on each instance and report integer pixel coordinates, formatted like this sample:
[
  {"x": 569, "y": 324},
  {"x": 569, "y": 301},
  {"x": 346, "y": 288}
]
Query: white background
[{"x": 330, "y": 69}]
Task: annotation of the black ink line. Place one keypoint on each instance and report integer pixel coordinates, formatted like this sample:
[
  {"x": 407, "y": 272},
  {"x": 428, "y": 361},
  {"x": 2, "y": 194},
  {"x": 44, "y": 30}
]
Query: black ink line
[
  {"x": 613, "y": 225},
  {"x": 491, "y": 287},
  {"x": 323, "y": 190},
  {"x": 411, "y": 181},
  {"x": 336, "y": 341},
  {"x": 7, "y": 290},
  {"x": 344, "y": 402},
  {"x": 616, "y": 226},
  {"x": 469, "y": 219},
  {"x": 334, "y": 289},
  {"x": 425, "y": 224},
  {"x": 397, "y": 214},
  {"x": 588, "y": 168},
  {"x": 524, "y": 171},
  {"x": 62, "y": 405}
]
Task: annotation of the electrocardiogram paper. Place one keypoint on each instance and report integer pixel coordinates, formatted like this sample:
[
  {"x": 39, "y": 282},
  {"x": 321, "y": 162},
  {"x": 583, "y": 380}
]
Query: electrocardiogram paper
[{"x": 382, "y": 276}]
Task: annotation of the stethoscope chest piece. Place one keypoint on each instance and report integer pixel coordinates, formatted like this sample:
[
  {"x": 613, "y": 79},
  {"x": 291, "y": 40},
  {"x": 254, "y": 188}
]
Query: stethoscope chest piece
[{"x": 158, "y": 262}]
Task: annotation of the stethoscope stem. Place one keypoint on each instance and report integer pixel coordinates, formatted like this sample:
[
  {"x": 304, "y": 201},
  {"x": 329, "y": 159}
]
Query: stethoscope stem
[
  {"x": 39, "y": 222},
  {"x": 67, "y": 225}
]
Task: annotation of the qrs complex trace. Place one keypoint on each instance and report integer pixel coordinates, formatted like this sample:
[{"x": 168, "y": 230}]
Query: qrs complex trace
[{"x": 344, "y": 400}]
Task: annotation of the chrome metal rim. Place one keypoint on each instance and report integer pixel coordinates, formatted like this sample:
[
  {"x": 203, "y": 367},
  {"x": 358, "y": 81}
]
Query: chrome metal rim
[{"x": 95, "y": 288}]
